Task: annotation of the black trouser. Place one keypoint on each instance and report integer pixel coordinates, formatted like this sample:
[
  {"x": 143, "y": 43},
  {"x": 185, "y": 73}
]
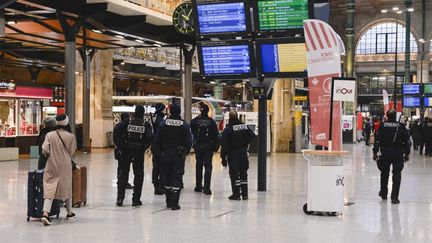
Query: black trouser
[
  {"x": 173, "y": 169},
  {"x": 391, "y": 156},
  {"x": 416, "y": 142},
  {"x": 238, "y": 166},
  {"x": 428, "y": 147},
  {"x": 157, "y": 171},
  {"x": 204, "y": 157},
  {"x": 119, "y": 169},
  {"x": 137, "y": 160},
  {"x": 367, "y": 138}
]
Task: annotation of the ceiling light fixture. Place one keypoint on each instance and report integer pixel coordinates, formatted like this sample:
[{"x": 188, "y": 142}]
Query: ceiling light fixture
[
  {"x": 139, "y": 41},
  {"x": 384, "y": 11},
  {"x": 11, "y": 22},
  {"x": 157, "y": 45},
  {"x": 122, "y": 63},
  {"x": 97, "y": 31},
  {"x": 120, "y": 36},
  {"x": 410, "y": 10},
  {"x": 395, "y": 8}
]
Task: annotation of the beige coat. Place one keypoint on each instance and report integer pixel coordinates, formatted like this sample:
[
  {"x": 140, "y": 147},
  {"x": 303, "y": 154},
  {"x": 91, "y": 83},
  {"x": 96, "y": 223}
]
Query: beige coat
[{"x": 57, "y": 181}]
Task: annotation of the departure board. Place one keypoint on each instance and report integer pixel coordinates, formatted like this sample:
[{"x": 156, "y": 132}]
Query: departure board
[
  {"x": 274, "y": 15},
  {"x": 221, "y": 18},
  {"x": 411, "y": 89},
  {"x": 283, "y": 58},
  {"x": 411, "y": 102},
  {"x": 427, "y": 89},
  {"x": 427, "y": 102},
  {"x": 226, "y": 60}
]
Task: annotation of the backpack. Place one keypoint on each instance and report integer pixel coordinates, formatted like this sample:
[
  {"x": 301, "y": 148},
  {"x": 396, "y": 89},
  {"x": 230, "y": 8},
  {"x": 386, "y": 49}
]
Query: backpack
[{"x": 203, "y": 132}]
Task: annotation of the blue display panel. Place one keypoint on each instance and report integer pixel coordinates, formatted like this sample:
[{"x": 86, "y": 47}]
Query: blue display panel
[
  {"x": 411, "y": 89},
  {"x": 269, "y": 58},
  {"x": 226, "y": 60},
  {"x": 222, "y": 18},
  {"x": 411, "y": 102},
  {"x": 427, "y": 102}
]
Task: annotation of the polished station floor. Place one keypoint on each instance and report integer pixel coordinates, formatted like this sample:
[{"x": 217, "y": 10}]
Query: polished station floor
[{"x": 272, "y": 216}]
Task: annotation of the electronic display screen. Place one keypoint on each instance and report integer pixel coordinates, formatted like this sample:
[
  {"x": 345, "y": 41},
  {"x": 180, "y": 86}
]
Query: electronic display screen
[
  {"x": 427, "y": 89},
  {"x": 283, "y": 58},
  {"x": 221, "y": 17},
  {"x": 411, "y": 102},
  {"x": 427, "y": 102},
  {"x": 231, "y": 58},
  {"x": 411, "y": 89},
  {"x": 274, "y": 15}
]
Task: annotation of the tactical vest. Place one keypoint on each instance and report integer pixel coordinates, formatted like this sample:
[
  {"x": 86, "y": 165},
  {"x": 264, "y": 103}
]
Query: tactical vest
[
  {"x": 136, "y": 132},
  {"x": 173, "y": 133},
  {"x": 239, "y": 138},
  {"x": 392, "y": 135}
]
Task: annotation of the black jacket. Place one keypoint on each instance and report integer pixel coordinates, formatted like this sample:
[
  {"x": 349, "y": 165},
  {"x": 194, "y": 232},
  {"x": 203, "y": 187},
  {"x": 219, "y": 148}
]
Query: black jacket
[{"x": 235, "y": 136}]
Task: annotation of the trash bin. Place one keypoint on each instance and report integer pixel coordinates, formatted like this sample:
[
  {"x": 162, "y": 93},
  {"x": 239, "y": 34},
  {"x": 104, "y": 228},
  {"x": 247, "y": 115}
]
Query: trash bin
[
  {"x": 325, "y": 182},
  {"x": 110, "y": 137}
]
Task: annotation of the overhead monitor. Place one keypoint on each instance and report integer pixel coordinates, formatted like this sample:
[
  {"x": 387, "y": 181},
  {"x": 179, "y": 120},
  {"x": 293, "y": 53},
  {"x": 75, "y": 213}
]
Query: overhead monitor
[
  {"x": 411, "y": 102},
  {"x": 427, "y": 102},
  {"x": 282, "y": 57},
  {"x": 226, "y": 59},
  {"x": 411, "y": 89},
  {"x": 281, "y": 16},
  {"x": 427, "y": 89},
  {"x": 219, "y": 18}
]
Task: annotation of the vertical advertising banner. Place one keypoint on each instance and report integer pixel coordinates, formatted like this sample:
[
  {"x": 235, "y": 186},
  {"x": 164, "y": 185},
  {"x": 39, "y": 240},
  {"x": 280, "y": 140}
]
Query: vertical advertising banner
[
  {"x": 386, "y": 101},
  {"x": 324, "y": 63}
]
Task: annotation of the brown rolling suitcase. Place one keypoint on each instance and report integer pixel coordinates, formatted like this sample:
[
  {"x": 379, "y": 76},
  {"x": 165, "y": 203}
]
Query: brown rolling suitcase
[{"x": 79, "y": 186}]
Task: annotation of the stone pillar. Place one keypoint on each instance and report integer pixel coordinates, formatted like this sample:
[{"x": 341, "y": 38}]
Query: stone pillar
[
  {"x": 423, "y": 76},
  {"x": 101, "y": 120},
  {"x": 281, "y": 108},
  {"x": 218, "y": 90},
  {"x": 101, "y": 92}
]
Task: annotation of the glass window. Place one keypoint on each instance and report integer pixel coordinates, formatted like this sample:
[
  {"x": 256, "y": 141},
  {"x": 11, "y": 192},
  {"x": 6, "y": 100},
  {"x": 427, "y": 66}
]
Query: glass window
[
  {"x": 30, "y": 117},
  {"x": 363, "y": 85},
  {"x": 7, "y": 117},
  {"x": 381, "y": 39}
]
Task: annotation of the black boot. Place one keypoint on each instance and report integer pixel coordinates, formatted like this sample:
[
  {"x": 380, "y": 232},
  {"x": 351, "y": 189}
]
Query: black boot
[
  {"x": 158, "y": 189},
  {"x": 168, "y": 198},
  {"x": 175, "y": 200},
  {"x": 235, "y": 186},
  {"x": 244, "y": 191}
]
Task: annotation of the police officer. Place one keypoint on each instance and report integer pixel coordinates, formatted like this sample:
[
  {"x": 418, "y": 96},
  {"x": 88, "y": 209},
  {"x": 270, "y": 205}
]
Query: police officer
[
  {"x": 157, "y": 157},
  {"x": 236, "y": 138},
  {"x": 174, "y": 141},
  {"x": 206, "y": 141},
  {"x": 137, "y": 137},
  {"x": 427, "y": 137},
  {"x": 118, "y": 137},
  {"x": 392, "y": 140}
]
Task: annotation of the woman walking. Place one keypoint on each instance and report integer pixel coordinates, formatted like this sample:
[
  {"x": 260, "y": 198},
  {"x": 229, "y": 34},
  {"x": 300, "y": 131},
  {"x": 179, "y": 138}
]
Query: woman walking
[{"x": 59, "y": 146}]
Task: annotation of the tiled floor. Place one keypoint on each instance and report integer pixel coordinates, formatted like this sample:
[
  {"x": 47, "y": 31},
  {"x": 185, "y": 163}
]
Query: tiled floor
[{"x": 274, "y": 216}]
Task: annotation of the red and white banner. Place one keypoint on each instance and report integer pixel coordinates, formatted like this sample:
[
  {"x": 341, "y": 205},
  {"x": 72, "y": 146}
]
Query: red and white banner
[{"x": 324, "y": 62}]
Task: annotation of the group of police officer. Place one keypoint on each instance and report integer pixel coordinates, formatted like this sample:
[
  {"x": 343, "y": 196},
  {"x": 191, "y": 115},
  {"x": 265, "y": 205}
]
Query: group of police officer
[{"x": 171, "y": 139}]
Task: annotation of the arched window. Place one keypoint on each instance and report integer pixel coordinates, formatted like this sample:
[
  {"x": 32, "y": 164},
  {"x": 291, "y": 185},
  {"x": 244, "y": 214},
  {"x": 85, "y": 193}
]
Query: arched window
[{"x": 381, "y": 39}]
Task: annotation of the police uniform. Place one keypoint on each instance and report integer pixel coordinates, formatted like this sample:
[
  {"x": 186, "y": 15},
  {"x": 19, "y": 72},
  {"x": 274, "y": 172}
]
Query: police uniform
[
  {"x": 392, "y": 140},
  {"x": 427, "y": 137},
  {"x": 138, "y": 136},
  {"x": 206, "y": 141},
  {"x": 157, "y": 157},
  {"x": 118, "y": 137},
  {"x": 236, "y": 138},
  {"x": 174, "y": 141}
]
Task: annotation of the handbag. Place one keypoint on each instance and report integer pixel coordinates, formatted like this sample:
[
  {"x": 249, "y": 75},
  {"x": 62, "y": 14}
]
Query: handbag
[{"x": 74, "y": 166}]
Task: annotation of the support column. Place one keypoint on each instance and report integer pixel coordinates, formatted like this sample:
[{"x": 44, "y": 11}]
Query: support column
[
  {"x": 70, "y": 32},
  {"x": 262, "y": 145},
  {"x": 187, "y": 82},
  {"x": 408, "y": 4},
  {"x": 350, "y": 33},
  {"x": 70, "y": 56},
  {"x": 218, "y": 90},
  {"x": 2, "y": 23}
]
